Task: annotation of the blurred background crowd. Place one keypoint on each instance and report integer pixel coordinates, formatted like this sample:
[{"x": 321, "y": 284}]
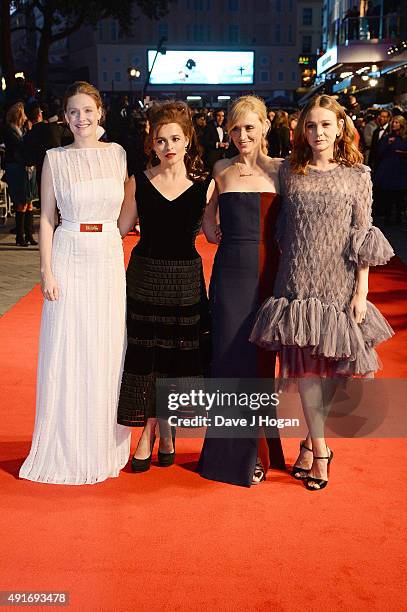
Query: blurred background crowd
[{"x": 28, "y": 127}]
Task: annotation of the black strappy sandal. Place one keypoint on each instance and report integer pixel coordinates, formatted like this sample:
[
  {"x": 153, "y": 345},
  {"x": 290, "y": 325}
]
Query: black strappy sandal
[
  {"x": 259, "y": 473},
  {"x": 296, "y": 468},
  {"x": 319, "y": 481}
]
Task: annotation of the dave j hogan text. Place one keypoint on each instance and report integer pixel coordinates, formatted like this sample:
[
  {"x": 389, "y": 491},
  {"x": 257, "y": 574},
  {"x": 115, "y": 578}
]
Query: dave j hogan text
[{"x": 256, "y": 420}]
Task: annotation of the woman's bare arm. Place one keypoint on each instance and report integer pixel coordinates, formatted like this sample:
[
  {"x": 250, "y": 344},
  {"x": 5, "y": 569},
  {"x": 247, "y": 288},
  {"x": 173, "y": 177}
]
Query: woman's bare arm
[
  {"x": 210, "y": 222},
  {"x": 358, "y": 303},
  {"x": 128, "y": 214},
  {"x": 49, "y": 285}
]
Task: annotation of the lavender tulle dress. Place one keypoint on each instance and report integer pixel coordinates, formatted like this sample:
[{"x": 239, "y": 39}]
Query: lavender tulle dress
[{"x": 325, "y": 232}]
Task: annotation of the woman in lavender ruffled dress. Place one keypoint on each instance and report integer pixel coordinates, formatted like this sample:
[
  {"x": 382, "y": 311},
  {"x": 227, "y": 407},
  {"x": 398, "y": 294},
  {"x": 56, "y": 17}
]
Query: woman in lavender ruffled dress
[{"x": 319, "y": 318}]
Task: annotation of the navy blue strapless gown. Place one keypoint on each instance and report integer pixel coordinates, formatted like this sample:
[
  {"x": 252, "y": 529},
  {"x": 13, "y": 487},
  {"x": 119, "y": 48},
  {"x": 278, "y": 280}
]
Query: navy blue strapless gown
[{"x": 242, "y": 278}]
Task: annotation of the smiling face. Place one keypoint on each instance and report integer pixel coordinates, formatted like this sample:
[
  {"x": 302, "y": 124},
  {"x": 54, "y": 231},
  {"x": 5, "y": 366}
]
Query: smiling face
[
  {"x": 170, "y": 144},
  {"x": 247, "y": 133},
  {"x": 82, "y": 115},
  {"x": 321, "y": 129}
]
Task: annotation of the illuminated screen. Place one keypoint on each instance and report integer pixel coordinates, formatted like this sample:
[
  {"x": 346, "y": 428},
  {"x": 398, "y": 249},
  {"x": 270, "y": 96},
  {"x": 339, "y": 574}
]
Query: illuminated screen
[{"x": 202, "y": 67}]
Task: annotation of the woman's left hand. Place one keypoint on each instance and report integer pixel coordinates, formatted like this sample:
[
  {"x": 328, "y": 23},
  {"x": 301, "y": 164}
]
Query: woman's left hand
[{"x": 358, "y": 307}]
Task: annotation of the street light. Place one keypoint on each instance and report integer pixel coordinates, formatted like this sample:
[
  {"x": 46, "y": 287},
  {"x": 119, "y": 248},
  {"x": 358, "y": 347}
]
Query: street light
[
  {"x": 160, "y": 49},
  {"x": 133, "y": 73}
]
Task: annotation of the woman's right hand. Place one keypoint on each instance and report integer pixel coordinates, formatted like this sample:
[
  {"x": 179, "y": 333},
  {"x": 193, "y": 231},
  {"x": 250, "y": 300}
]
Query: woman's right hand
[
  {"x": 218, "y": 234},
  {"x": 49, "y": 288}
]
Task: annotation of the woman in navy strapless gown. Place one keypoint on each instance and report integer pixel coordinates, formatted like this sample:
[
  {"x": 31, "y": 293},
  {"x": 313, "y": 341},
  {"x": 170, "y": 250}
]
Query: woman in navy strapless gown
[{"x": 242, "y": 277}]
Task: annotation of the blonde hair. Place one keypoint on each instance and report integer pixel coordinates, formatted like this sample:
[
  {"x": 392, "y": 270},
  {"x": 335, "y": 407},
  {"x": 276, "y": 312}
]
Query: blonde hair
[
  {"x": 248, "y": 104},
  {"x": 345, "y": 150},
  {"x": 15, "y": 114},
  {"x": 403, "y": 125}
]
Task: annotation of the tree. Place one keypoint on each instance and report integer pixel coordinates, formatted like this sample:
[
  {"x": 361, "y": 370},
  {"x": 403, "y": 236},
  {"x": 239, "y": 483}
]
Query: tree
[
  {"x": 6, "y": 50},
  {"x": 60, "y": 18}
]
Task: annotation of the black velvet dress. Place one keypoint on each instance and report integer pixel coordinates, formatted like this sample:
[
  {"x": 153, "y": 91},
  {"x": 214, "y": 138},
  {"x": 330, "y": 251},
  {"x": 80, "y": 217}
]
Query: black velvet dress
[{"x": 167, "y": 305}]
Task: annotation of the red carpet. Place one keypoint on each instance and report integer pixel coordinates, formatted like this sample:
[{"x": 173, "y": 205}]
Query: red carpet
[{"x": 169, "y": 540}]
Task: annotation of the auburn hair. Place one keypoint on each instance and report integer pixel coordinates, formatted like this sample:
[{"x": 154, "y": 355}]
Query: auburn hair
[
  {"x": 248, "y": 104},
  {"x": 280, "y": 119},
  {"x": 176, "y": 111},
  {"x": 83, "y": 87},
  {"x": 345, "y": 149}
]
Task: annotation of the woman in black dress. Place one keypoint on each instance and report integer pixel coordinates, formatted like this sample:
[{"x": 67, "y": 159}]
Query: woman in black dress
[
  {"x": 278, "y": 137},
  {"x": 167, "y": 307}
]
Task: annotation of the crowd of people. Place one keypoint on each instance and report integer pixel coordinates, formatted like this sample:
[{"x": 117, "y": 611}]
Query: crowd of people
[
  {"x": 29, "y": 128},
  {"x": 290, "y": 276}
]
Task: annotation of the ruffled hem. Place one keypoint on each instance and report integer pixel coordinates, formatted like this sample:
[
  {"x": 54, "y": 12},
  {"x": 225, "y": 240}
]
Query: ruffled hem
[
  {"x": 330, "y": 333},
  {"x": 369, "y": 247}
]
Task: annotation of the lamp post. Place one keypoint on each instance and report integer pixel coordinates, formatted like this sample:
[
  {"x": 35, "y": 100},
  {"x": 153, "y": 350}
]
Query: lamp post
[
  {"x": 160, "y": 49},
  {"x": 133, "y": 74}
]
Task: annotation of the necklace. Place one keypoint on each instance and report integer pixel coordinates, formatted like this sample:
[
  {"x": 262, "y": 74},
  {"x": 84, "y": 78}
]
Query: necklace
[{"x": 243, "y": 170}]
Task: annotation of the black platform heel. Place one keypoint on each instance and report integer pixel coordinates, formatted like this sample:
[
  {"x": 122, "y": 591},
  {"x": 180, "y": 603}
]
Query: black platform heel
[
  {"x": 319, "y": 481},
  {"x": 296, "y": 468},
  {"x": 143, "y": 465},
  {"x": 167, "y": 459}
]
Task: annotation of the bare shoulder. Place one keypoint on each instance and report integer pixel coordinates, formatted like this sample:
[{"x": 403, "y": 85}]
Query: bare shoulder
[{"x": 221, "y": 166}]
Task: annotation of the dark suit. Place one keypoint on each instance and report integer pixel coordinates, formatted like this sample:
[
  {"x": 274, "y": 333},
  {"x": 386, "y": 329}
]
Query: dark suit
[
  {"x": 373, "y": 147},
  {"x": 38, "y": 140},
  {"x": 278, "y": 140},
  {"x": 210, "y": 138},
  {"x": 379, "y": 204}
]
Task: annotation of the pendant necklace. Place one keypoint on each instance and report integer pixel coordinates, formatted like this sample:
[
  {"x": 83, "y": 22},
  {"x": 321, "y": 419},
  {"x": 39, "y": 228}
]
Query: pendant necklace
[{"x": 243, "y": 170}]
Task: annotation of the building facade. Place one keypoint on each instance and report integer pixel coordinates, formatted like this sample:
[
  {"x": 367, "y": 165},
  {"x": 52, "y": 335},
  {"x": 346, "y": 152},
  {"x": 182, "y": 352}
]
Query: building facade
[
  {"x": 365, "y": 49},
  {"x": 279, "y": 32}
]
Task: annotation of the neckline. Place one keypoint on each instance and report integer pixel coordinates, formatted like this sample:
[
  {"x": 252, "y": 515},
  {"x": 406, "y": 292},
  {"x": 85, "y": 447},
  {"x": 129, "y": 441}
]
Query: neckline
[
  {"x": 260, "y": 192},
  {"x": 110, "y": 144},
  {"x": 314, "y": 169},
  {"x": 162, "y": 195}
]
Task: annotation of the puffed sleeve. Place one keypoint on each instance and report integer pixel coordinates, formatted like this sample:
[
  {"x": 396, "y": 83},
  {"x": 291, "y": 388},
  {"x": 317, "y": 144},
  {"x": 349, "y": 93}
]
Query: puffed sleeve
[{"x": 367, "y": 245}]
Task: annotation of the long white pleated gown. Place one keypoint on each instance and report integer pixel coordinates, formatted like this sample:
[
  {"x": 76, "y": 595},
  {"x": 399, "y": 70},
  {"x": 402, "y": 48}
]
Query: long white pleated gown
[{"x": 76, "y": 437}]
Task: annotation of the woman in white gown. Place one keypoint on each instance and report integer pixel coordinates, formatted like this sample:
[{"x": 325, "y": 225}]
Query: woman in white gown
[{"x": 76, "y": 437}]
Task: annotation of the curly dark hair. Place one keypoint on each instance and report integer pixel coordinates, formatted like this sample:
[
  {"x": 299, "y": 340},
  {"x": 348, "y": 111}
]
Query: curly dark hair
[{"x": 176, "y": 111}]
